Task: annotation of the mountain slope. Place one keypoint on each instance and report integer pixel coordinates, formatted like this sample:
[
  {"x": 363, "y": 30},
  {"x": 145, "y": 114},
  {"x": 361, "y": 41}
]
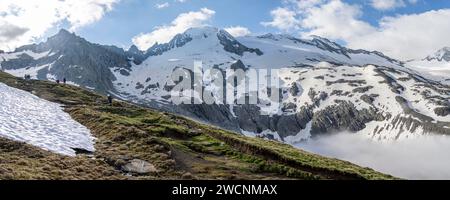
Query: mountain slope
[
  {"x": 66, "y": 55},
  {"x": 174, "y": 146}
]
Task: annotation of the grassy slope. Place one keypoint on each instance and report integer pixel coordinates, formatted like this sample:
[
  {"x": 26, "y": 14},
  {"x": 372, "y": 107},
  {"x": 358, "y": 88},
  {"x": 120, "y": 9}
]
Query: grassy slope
[{"x": 178, "y": 147}]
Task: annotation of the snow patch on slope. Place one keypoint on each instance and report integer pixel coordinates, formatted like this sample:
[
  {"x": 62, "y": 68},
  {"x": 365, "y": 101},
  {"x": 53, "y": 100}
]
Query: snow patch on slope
[
  {"x": 16, "y": 55},
  {"x": 27, "y": 118},
  {"x": 32, "y": 71}
]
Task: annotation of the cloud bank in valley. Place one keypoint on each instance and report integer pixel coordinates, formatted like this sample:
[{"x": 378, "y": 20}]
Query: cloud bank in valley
[{"x": 426, "y": 157}]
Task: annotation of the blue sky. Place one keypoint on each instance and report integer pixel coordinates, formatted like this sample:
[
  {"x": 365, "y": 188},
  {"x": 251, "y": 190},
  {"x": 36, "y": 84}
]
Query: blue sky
[{"x": 404, "y": 29}]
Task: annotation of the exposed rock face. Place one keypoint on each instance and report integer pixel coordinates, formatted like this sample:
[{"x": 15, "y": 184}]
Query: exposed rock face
[
  {"x": 340, "y": 117},
  {"x": 251, "y": 120},
  {"x": 238, "y": 65},
  {"x": 294, "y": 90},
  {"x": 178, "y": 41},
  {"x": 232, "y": 45},
  {"x": 362, "y": 89},
  {"x": 442, "y": 111},
  {"x": 71, "y": 57}
]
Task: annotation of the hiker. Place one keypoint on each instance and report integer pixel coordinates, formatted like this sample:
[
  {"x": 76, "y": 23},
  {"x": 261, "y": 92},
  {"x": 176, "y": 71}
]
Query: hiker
[
  {"x": 57, "y": 81},
  {"x": 110, "y": 100},
  {"x": 64, "y": 80}
]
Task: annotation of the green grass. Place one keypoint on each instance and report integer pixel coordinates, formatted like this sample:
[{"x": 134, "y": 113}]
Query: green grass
[{"x": 175, "y": 145}]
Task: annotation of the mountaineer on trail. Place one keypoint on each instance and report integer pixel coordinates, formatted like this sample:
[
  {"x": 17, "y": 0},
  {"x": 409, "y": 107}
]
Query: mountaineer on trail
[{"x": 110, "y": 100}]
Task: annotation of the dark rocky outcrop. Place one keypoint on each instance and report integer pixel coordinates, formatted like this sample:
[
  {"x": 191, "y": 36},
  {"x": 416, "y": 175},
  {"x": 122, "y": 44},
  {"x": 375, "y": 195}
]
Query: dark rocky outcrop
[
  {"x": 238, "y": 65},
  {"x": 342, "y": 116},
  {"x": 232, "y": 45},
  {"x": 295, "y": 90},
  {"x": 442, "y": 111}
]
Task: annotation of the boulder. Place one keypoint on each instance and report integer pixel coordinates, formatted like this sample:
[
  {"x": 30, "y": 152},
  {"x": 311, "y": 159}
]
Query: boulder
[{"x": 137, "y": 166}]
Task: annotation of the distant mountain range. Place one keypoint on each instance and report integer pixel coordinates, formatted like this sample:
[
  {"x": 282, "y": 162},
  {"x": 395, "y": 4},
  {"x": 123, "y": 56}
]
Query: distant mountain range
[
  {"x": 435, "y": 66},
  {"x": 324, "y": 87}
]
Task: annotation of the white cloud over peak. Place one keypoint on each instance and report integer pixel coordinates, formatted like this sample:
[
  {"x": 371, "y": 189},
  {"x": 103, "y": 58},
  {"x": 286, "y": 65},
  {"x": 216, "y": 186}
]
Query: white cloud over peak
[
  {"x": 404, "y": 37},
  {"x": 283, "y": 18},
  {"x": 238, "y": 31},
  {"x": 24, "y": 21},
  {"x": 163, "y": 34},
  {"x": 334, "y": 20}
]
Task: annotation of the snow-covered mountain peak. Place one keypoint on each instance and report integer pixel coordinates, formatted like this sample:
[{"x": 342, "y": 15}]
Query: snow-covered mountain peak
[
  {"x": 201, "y": 32},
  {"x": 435, "y": 66},
  {"x": 63, "y": 37},
  {"x": 202, "y": 38},
  {"x": 64, "y": 33}
]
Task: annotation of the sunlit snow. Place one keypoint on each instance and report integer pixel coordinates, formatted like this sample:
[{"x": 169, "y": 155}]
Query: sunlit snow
[{"x": 26, "y": 118}]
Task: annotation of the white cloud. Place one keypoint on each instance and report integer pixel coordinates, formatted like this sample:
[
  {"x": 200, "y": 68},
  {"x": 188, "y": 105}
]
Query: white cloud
[
  {"x": 404, "y": 37},
  {"x": 334, "y": 20},
  {"x": 408, "y": 36},
  {"x": 163, "y": 5},
  {"x": 165, "y": 33},
  {"x": 238, "y": 31},
  {"x": 387, "y": 4},
  {"x": 283, "y": 18},
  {"x": 23, "y": 21}
]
